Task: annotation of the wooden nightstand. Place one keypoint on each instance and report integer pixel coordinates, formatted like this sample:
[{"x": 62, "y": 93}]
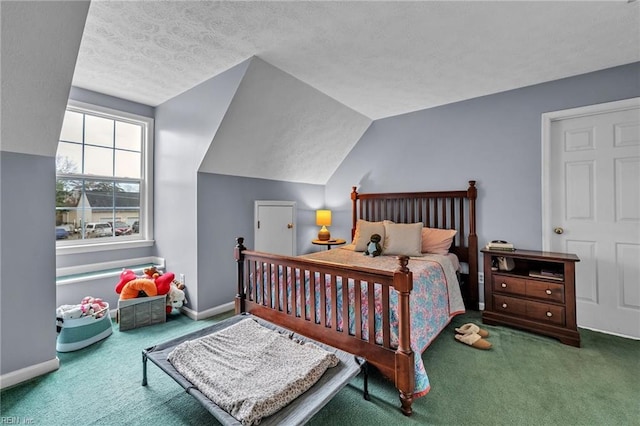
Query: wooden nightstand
[
  {"x": 538, "y": 295},
  {"x": 329, "y": 243}
]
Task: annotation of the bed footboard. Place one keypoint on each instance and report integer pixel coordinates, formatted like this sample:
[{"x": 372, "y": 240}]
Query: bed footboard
[{"x": 329, "y": 302}]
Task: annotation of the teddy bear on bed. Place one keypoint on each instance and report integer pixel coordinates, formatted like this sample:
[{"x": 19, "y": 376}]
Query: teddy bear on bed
[{"x": 374, "y": 248}]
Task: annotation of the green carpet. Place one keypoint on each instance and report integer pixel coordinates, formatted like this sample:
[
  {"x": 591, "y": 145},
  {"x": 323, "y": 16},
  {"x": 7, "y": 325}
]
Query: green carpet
[{"x": 524, "y": 379}]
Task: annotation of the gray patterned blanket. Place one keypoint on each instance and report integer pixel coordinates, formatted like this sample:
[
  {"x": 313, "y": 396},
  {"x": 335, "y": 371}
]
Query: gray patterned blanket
[{"x": 250, "y": 371}]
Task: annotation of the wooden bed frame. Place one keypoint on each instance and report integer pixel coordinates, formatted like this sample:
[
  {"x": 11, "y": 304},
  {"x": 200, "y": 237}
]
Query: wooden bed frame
[{"x": 442, "y": 209}]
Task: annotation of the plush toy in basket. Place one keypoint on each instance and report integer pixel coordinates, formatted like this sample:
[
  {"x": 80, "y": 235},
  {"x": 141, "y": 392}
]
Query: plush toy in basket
[
  {"x": 83, "y": 324},
  {"x": 153, "y": 283}
]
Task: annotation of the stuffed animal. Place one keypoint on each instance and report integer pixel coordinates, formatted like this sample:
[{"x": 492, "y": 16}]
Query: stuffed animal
[
  {"x": 66, "y": 312},
  {"x": 69, "y": 312},
  {"x": 93, "y": 306},
  {"x": 132, "y": 289},
  {"x": 176, "y": 297},
  {"x": 162, "y": 284},
  {"x": 374, "y": 248},
  {"x": 125, "y": 276},
  {"x": 152, "y": 272}
]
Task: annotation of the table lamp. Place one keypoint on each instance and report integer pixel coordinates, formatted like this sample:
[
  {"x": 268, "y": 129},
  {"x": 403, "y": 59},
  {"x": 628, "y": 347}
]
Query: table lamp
[{"x": 323, "y": 218}]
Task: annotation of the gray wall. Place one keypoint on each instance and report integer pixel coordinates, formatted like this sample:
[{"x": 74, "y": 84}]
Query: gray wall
[
  {"x": 95, "y": 98},
  {"x": 185, "y": 127},
  {"x": 28, "y": 260},
  {"x": 198, "y": 215},
  {"x": 225, "y": 211},
  {"x": 40, "y": 42},
  {"x": 494, "y": 139}
]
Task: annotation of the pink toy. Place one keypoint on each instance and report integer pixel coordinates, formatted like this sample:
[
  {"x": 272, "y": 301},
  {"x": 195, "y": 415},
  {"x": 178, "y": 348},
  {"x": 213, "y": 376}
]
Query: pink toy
[
  {"x": 126, "y": 276},
  {"x": 163, "y": 282},
  {"x": 93, "y": 306}
]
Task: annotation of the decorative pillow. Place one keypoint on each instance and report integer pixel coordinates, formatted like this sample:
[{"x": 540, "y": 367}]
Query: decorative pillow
[
  {"x": 404, "y": 239},
  {"x": 437, "y": 241},
  {"x": 364, "y": 230}
]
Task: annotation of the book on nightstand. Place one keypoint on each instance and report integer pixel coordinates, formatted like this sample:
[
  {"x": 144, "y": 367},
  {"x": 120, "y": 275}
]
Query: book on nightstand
[
  {"x": 500, "y": 245},
  {"x": 547, "y": 274}
]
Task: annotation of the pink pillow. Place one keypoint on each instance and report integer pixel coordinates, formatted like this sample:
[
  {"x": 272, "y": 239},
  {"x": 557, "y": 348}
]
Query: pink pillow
[{"x": 437, "y": 241}]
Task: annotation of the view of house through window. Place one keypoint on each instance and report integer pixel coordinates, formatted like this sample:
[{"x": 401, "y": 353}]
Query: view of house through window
[{"x": 99, "y": 176}]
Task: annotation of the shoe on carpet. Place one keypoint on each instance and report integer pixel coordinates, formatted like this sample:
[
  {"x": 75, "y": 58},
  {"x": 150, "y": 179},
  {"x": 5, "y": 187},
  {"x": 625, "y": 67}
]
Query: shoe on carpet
[
  {"x": 472, "y": 328},
  {"x": 474, "y": 340}
]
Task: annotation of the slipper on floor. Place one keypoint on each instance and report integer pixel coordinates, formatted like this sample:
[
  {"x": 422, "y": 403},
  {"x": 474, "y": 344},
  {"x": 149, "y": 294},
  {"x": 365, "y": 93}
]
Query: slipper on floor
[
  {"x": 473, "y": 340},
  {"x": 472, "y": 328}
]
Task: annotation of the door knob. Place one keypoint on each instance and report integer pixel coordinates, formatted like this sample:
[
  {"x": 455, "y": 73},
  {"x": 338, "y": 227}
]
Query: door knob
[
  {"x": 289, "y": 225},
  {"x": 558, "y": 230}
]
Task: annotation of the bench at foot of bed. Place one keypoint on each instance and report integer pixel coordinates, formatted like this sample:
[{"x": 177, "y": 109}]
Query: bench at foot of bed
[{"x": 299, "y": 411}]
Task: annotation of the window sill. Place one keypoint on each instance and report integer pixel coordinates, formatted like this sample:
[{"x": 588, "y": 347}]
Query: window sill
[{"x": 64, "y": 250}]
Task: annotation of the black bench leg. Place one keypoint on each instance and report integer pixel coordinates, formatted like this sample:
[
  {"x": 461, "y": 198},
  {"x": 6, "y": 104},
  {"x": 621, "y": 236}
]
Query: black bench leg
[
  {"x": 366, "y": 381},
  {"x": 144, "y": 368},
  {"x": 364, "y": 367}
]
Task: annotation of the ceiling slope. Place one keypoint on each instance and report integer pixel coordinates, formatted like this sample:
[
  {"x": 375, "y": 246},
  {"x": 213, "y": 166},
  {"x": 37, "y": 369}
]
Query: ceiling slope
[
  {"x": 279, "y": 128},
  {"x": 378, "y": 58},
  {"x": 40, "y": 42}
]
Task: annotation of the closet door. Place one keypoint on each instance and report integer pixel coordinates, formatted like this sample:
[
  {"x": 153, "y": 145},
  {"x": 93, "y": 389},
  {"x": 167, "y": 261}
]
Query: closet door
[{"x": 275, "y": 227}]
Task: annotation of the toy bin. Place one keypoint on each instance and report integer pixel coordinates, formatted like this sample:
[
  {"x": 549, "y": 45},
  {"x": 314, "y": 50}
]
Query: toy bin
[
  {"x": 78, "y": 333},
  {"x": 141, "y": 311}
]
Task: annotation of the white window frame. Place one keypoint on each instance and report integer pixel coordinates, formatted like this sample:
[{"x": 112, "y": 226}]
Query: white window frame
[{"x": 146, "y": 188}]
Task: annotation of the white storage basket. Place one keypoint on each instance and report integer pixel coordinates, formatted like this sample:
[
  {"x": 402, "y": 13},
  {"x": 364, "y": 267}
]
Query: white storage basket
[{"x": 78, "y": 333}]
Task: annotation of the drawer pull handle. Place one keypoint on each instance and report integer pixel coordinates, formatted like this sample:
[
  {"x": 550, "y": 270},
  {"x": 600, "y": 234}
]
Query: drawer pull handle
[
  {"x": 549, "y": 314},
  {"x": 503, "y": 285},
  {"x": 548, "y": 291},
  {"x": 504, "y": 305}
]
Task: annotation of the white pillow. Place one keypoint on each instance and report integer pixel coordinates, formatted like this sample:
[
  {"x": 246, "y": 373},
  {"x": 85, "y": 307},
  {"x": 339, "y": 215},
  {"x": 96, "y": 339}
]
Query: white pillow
[
  {"x": 364, "y": 230},
  {"x": 403, "y": 239}
]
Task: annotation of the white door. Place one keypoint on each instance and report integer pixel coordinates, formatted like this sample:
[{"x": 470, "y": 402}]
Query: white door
[
  {"x": 591, "y": 207},
  {"x": 274, "y": 229}
]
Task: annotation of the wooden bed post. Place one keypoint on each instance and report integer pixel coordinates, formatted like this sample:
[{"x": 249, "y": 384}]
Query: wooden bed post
[
  {"x": 405, "y": 367},
  {"x": 472, "y": 194},
  {"x": 354, "y": 208},
  {"x": 239, "y": 256}
]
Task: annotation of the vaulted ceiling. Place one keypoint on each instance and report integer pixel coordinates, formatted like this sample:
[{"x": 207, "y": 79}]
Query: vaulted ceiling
[
  {"x": 345, "y": 63},
  {"x": 320, "y": 72},
  {"x": 377, "y": 58}
]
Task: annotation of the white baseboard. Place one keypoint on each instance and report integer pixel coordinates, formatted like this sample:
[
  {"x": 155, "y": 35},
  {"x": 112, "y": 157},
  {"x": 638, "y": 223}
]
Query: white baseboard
[
  {"x": 216, "y": 310},
  {"x": 610, "y": 333},
  {"x": 28, "y": 373},
  {"x": 481, "y": 306}
]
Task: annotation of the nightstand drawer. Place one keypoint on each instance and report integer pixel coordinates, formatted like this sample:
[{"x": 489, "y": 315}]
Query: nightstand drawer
[
  {"x": 509, "y": 305},
  {"x": 545, "y": 290},
  {"x": 546, "y": 313},
  {"x": 509, "y": 284}
]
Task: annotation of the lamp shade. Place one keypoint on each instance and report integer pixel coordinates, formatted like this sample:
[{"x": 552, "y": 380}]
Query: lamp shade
[{"x": 323, "y": 217}]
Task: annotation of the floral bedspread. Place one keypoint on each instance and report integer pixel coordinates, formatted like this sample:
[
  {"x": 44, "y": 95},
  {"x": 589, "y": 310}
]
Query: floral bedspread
[{"x": 434, "y": 300}]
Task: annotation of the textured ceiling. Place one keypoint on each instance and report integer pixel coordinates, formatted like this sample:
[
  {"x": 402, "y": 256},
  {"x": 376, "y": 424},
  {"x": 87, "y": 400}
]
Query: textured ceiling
[
  {"x": 280, "y": 128},
  {"x": 377, "y": 58}
]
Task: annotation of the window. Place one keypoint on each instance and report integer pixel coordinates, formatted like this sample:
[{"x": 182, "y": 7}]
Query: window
[{"x": 103, "y": 177}]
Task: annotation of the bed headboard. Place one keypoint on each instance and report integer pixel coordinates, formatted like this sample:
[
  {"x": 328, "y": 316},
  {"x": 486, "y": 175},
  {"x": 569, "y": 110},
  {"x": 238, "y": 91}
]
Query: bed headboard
[{"x": 438, "y": 209}]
